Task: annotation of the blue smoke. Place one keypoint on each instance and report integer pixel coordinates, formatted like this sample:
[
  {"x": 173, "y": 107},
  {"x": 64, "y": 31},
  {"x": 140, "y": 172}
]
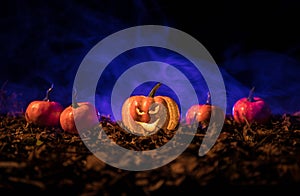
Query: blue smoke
[{"x": 45, "y": 43}]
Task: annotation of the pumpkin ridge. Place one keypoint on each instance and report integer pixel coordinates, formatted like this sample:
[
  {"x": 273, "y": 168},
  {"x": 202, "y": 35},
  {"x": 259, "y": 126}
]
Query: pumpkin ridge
[
  {"x": 173, "y": 111},
  {"x": 125, "y": 116}
]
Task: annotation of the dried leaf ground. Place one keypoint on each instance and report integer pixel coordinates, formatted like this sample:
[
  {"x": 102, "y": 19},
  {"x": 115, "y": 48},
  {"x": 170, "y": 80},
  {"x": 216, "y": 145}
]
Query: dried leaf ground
[{"x": 245, "y": 158}]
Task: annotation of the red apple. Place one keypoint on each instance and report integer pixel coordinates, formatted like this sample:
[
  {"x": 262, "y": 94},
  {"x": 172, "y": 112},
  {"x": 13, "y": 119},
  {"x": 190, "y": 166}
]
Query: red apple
[
  {"x": 251, "y": 109},
  {"x": 85, "y": 115},
  {"x": 44, "y": 112},
  {"x": 202, "y": 113}
]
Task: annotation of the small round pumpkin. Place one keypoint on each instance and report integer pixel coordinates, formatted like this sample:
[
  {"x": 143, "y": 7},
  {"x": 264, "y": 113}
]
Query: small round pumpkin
[
  {"x": 145, "y": 115},
  {"x": 44, "y": 112},
  {"x": 85, "y": 115},
  {"x": 202, "y": 113},
  {"x": 251, "y": 109}
]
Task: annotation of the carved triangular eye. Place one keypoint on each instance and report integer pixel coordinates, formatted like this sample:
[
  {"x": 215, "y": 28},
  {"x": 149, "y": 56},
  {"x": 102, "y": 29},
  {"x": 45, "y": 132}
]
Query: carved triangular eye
[
  {"x": 155, "y": 110},
  {"x": 139, "y": 112}
]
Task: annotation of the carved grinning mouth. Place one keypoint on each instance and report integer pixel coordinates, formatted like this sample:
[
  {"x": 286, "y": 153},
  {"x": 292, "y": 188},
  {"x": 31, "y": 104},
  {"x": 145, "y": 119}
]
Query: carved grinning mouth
[{"x": 149, "y": 127}]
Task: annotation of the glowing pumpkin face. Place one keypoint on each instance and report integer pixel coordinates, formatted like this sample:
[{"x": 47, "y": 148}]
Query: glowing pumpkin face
[{"x": 145, "y": 115}]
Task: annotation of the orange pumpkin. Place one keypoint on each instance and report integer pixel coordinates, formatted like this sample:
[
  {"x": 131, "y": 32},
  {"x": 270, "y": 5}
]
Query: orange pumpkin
[
  {"x": 201, "y": 113},
  {"x": 145, "y": 115},
  {"x": 44, "y": 112},
  {"x": 85, "y": 115}
]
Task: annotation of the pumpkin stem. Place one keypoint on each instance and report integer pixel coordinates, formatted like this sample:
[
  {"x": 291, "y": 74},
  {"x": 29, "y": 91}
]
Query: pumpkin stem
[
  {"x": 250, "y": 96},
  {"x": 47, "y": 93},
  {"x": 208, "y": 100},
  {"x": 154, "y": 89},
  {"x": 74, "y": 103}
]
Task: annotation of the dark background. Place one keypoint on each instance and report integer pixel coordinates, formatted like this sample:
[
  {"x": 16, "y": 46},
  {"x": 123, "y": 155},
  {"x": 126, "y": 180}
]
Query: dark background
[{"x": 254, "y": 44}]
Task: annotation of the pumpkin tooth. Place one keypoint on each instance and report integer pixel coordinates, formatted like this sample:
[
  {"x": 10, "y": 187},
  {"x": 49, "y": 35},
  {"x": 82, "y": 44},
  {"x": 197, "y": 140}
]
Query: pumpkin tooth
[{"x": 149, "y": 127}]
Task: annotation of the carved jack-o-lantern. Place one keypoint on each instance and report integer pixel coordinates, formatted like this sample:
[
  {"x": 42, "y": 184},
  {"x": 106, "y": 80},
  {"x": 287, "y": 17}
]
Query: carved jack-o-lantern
[{"x": 145, "y": 115}]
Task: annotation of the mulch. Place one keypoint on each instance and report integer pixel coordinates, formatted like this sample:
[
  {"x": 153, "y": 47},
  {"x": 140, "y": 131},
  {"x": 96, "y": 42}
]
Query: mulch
[{"x": 245, "y": 159}]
